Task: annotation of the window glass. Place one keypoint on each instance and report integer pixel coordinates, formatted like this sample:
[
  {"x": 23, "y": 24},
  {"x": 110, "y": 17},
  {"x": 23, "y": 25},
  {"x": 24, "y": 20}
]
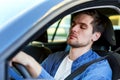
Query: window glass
[
  {"x": 115, "y": 21},
  {"x": 61, "y": 32}
]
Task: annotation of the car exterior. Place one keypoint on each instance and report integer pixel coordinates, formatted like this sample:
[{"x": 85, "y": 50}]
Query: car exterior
[{"x": 22, "y": 28}]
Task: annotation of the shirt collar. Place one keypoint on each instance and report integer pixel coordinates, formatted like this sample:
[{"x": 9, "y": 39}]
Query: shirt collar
[{"x": 84, "y": 56}]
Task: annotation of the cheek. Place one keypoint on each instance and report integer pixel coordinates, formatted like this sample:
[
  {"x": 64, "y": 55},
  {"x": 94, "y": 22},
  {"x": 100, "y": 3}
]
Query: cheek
[{"x": 85, "y": 37}]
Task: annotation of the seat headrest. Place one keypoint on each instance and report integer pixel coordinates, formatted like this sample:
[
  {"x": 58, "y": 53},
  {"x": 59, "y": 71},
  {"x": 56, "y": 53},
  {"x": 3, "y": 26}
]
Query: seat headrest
[
  {"x": 117, "y": 36},
  {"x": 108, "y": 36}
]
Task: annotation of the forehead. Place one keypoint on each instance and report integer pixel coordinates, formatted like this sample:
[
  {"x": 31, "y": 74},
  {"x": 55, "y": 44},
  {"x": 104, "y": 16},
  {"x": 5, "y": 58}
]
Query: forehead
[{"x": 85, "y": 18}]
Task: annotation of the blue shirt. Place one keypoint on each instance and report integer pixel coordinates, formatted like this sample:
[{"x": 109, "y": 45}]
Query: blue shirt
[{"x": 98, "y": 71}]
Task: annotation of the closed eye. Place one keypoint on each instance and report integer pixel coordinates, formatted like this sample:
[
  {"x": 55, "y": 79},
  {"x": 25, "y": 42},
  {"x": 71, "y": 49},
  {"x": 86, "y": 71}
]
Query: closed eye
[{"x": 83, "y": 26}]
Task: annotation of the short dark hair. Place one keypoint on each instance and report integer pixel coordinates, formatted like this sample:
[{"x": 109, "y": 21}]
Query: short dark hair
[{"x": 99, "y": 20}]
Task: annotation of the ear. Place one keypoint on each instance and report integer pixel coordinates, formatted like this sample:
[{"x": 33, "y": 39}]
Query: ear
[{"x": 96, "y": 36}]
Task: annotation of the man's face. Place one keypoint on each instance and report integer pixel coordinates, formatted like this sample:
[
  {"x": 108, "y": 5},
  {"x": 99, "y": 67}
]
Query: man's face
[{"x": 81, "y": 31}]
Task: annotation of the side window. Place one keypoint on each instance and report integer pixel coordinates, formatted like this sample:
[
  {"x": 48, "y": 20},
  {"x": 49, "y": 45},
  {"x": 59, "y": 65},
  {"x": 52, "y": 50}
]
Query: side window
[
  {"x": 59, "y": 30},
  {"x": 115, "y": 21}
]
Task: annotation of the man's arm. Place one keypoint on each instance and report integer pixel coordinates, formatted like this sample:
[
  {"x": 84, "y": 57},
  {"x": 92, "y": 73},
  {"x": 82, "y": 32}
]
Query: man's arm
[{"x": 34, "y": 68}]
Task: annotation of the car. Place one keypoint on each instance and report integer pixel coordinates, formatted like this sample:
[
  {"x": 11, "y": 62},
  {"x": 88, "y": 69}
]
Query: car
[{"x": 38, "y": 30}]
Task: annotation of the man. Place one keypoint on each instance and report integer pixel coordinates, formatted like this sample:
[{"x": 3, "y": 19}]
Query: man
[{"x": 86, "y": 28}]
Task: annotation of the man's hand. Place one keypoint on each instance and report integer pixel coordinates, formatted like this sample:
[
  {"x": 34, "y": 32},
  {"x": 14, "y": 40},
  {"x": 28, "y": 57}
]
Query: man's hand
[{"x": 32, "y": 66}]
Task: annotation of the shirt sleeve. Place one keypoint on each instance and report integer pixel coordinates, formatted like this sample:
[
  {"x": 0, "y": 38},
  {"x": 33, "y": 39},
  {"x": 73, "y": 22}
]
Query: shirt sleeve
[{"x": 45, "y": 75}]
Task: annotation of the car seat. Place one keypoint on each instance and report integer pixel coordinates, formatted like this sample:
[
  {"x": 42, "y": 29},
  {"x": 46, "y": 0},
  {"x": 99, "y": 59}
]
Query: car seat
[
  {"x": 117, "y": 36},
  {"x": 103, "y": 45}
]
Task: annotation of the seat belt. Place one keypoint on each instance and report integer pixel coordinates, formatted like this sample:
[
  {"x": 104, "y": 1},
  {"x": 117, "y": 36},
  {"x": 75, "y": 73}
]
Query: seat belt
[{"x": 83, "y": 67}]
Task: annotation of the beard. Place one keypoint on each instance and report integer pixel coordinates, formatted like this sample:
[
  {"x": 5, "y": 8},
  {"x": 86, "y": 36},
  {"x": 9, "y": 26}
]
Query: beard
[
  {"x": 77, "y": 44},
  {"x": 74, "y": 41}
]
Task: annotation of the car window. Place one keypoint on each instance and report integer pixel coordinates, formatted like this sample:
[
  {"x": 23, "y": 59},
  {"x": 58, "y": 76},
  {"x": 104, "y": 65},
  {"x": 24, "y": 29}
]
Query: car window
[
  {"x": 115, "y": 21},
  {"x": 62, "y": 30}
]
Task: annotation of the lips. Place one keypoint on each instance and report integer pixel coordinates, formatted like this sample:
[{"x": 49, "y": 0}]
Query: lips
[{"x": 72, "y": 36}]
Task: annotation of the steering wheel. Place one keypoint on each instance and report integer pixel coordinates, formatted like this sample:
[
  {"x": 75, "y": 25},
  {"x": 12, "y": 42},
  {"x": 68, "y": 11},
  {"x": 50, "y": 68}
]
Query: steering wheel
[{"x": 21, "y": 71}]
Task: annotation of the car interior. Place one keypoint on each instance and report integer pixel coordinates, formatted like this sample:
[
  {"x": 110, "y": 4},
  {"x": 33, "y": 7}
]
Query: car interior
[
  {"x": 42, "y": 42},
  {"x": 41, "y": 47}
]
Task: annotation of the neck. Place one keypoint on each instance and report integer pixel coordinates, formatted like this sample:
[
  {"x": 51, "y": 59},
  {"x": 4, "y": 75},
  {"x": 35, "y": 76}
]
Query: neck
[{"x": 77, "y": 52}]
